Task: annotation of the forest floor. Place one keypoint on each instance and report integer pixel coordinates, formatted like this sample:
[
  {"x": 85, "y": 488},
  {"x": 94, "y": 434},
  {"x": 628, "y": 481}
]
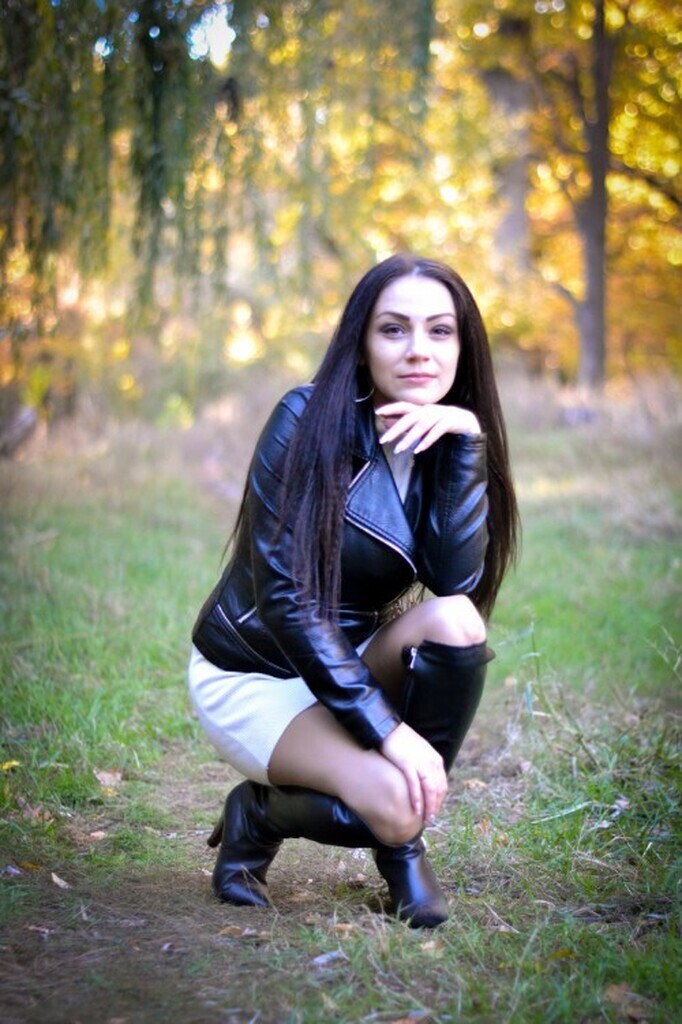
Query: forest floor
[{"x": 558, "y": 845}]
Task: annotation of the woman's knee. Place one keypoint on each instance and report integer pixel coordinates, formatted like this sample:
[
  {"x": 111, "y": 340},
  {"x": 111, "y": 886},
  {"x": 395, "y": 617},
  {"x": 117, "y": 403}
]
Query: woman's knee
[
  {"x": 387, "y": 810},
  {"x": 454, "y": 620}
]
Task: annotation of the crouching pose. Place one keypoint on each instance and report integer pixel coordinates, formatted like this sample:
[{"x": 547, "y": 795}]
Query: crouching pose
[{"x": 388, "y": 472}]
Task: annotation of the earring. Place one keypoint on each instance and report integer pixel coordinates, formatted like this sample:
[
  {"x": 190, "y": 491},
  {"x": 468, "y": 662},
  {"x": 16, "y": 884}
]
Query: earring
[
  {"x": 365, "y": 397},
  {"x": 362, "y": 379}
]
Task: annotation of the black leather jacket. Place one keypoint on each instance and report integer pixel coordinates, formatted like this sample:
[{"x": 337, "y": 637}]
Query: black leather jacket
[{"x": 254, "y": 620}]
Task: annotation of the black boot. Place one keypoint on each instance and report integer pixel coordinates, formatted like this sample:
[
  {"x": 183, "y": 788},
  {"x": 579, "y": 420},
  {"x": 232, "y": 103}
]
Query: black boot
[
  {"x": 257, "y": 818},
  {"x": 245, "y": 852},
  {"x": 443, "y": 689},
  {"x": 442, "y": 692}
]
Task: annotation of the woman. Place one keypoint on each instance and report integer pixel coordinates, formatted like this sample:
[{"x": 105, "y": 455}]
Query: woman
[{"x": 391, "y": 470}]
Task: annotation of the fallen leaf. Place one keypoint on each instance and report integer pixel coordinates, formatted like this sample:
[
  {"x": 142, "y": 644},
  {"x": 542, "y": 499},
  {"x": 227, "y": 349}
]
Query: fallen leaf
[
  {"x": 37, "y": 813},
  {"x": 343, "y": 929},
  {"x": 45, "y": 932},
  {"x": 8, "y": 766},
  {"x": 109, "y": 780},
  {"x": 167, "y": 947},
  {"x": 627, "y": 1003},
  {"x": 620, "y": 804},
  {"x": 560, "y": 954},
  {"x": 10, "y": 870},
  {"x": 412, "y": 1019},
  {"x": 475, "y": 784},
  {"x": 432, "y": 945},
  {"x": 60, "y": 881},
  {"x": 326, "y": 958},
  {"x": 237, "y": 932},
  {"x": 94, "y": 837}
]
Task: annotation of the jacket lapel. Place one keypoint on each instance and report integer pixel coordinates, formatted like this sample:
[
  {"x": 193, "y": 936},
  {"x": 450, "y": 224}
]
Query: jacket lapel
[{"x": 373, "y": 502}]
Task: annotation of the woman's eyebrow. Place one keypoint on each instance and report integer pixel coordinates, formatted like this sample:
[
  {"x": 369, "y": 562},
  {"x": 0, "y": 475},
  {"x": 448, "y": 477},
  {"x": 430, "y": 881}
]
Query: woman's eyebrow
[{"x": 405, "y": 316}]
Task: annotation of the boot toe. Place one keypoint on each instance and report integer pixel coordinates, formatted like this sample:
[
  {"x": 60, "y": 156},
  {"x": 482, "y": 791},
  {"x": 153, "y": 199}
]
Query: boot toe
[
  {"x": 241, "y": 889},
  {"x": 416, "y": 895},
  {"x": 425, "y": 915}
]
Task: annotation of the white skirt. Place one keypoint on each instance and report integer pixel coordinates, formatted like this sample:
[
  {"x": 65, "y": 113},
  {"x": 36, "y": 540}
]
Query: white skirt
[{"x": 244, "y": 713}]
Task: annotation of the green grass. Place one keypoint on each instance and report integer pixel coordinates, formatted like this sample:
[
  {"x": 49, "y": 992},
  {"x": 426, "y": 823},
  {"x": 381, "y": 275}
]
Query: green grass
[
  {"x": 559, "y": 843},
  {"x": 98, "y": 588}
]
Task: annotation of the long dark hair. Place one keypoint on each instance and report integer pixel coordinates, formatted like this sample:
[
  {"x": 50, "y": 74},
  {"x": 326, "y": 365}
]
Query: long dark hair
[{"x": 321, "y": 450}]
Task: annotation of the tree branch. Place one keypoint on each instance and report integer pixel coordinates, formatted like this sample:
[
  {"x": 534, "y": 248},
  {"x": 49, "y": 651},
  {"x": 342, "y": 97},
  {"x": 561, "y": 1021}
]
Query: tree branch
[{"x": 618, "y": 167}]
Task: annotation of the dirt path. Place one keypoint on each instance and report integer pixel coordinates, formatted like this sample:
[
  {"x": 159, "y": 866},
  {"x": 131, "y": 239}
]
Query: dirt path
[{"x": 147, "y": 943}]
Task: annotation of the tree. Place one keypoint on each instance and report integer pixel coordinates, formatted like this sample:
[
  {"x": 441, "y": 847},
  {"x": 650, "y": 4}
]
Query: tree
[
  {"x": 171, "y": 216},
  {"x": 602, "y": 76}
]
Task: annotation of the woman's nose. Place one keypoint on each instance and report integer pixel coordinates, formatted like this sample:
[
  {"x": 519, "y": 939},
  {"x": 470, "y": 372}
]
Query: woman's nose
[{"x": 418, "y": 344}]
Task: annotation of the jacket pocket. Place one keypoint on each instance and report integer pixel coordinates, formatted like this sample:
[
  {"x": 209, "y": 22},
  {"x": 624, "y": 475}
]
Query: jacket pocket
[{"x": 258, "y": 660}]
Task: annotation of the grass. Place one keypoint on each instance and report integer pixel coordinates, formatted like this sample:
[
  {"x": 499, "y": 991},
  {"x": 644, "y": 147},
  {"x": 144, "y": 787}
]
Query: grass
[{"x": 558, "y": 846}]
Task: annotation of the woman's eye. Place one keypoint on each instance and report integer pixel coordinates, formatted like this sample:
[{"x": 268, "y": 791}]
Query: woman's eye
[
  {"x": 392, "y": 330},
  {"x": 442, "y": 331}
]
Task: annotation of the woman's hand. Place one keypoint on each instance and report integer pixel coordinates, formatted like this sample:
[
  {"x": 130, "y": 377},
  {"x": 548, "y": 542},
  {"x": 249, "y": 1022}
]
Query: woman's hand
[
  {"x": 422, "y": 767},
  {"x": 417, "y": 427}
]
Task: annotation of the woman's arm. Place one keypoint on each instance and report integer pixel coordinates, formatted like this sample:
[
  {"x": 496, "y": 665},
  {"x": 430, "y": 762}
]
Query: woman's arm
[
  {"x": 316, "y": 647},
  {"x": 453, "y": 542}
]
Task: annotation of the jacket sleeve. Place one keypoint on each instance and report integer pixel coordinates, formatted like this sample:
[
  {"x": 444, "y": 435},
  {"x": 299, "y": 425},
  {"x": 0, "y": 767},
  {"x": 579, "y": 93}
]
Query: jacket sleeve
[
  {"x": 318, "y": 649},
  {"x": 455, "y": 533}
]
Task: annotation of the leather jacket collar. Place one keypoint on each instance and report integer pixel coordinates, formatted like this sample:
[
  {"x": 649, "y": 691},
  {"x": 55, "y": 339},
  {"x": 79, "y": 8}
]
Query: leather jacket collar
[{"x": 373, "y": 503}]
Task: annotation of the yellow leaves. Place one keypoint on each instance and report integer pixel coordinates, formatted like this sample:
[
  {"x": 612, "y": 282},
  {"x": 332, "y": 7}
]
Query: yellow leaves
[
  {"x": 120, "y": 349},
  {"x": 8, "y": 766}
]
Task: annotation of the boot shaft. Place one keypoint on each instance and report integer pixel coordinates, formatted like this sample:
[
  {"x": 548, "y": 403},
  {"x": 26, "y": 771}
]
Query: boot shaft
[{"x": 443, "y": 689}]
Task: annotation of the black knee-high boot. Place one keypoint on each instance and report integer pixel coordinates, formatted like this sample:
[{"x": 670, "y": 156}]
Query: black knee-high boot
[
  {"x": 256, "y": 820},
  {"x": 442, "y": 692},
  {"x": 443, "y": 689}
]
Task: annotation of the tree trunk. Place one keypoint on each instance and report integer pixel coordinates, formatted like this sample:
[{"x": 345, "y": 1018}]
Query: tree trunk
[
  {"x": 592, "y": 212},
  {"x": 513, "y": 99}
]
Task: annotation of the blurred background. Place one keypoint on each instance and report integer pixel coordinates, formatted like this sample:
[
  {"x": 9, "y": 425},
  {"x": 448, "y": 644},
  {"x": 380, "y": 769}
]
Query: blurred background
[{"x": 190, "y": 189}]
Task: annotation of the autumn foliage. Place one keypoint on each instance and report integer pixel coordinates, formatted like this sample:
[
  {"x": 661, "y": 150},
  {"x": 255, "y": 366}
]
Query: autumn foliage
[{"x": 189, "y": 190}]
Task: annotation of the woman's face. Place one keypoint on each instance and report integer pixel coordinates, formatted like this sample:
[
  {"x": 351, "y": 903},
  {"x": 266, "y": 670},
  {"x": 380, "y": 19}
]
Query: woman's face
[{"x": 412, "y": 345}]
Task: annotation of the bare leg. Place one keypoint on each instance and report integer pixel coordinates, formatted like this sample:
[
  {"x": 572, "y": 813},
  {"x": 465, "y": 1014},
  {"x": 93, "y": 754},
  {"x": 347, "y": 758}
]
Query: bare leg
[
  {"x": 444, "y": 620},
  {"x": 316, "y": 752}
]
